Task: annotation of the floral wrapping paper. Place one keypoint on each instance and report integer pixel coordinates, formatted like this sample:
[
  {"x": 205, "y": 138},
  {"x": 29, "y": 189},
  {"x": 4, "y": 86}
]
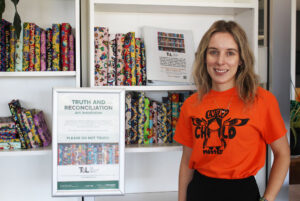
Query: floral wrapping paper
[
  {"x": 65, "y": 32},
  {"x": 111, "y": 69},
  {"x": 159, "y": 123},
  {"x": 42, "y": 128},
  {"x": 168, "y": 102},
  {"x": 127, "y": 118},
  {"x": 147, "y": 121},
  {"x": 3, "y": 26},
  {"x": 120, "y": 76},
  {"x": 127, "y": 59},
  {"x": 150, "y": 137},
  {"x": 33, "y": 129},
  {"x": 12, "y": 48},
  {"x": 132, "y": 59},
  {"x": 143, "y": 63},
  {"x": 43, "y": 50},
  {"x": 19, "y": 53},
  {"x": 141, "y": 117},
  {"x": 31, "y": 46},
  {"x": 26, "y": 36},
  {"x": 154, "y": 121},
  {"x": 49, "y": 49},
  {"x": 101, "y": 55},
  {"x": 56, "y": 33},
  {"x": 29, "y": 130},
  {"x": 7, "y": 46},
  {"x": 71, "y": 52},
  {"x": 134, "y": 119},
  {"x": 175, "y": 110},
  {"x": 138, "y": 62},
  {"x": 37, "y": 49},
  {"x": 164, "y": 129}
]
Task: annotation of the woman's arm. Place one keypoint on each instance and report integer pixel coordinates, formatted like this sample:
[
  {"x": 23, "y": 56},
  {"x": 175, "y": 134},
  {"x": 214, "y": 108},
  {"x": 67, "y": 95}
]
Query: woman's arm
[
  {"x": 185, "y": 173},
  {"x": 279, "y": 168}
]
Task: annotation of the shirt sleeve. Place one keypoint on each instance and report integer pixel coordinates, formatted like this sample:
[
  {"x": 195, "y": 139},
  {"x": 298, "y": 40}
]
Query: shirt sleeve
[
  {"x": 183, "y": 133},
  {"x": 273, "y": 124}
]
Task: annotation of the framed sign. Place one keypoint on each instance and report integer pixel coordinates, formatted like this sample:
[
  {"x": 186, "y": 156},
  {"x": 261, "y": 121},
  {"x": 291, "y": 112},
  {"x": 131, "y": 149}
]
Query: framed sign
[{"x": 88, "y": 141}]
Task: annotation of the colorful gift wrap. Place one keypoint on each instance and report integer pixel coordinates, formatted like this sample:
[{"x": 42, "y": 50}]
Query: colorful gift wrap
[
  {"x": 134, "y": 119},
  {"x": 154, "y": 120},
  {"x": 10, "y": 144},
  {"x": 111, "y": 69},
  {"x": 65, "y": 32},
  {"x": 147, "y": 121},
  {"x": 141, "y": 117},
  {"x": 49, "y": 49},
  {"x": 12, "y": 49},
  {"x": 143, "y": 64},
  {"x": 3, "y": 26},
  {"x": 150, "y": 137},
  {"x": 164, "y": 129},
  {"x": 56, "y": 65},
  {"x": 26, "y": 36},
  {"x": 127, "y": 118},
  {"x": 175, "y": 110},
  {"x": 159, "y": 123},
  {"x": 129, "y": 59},
  {"x": 31, "y": 46},
  {"x": 138, "y": 62},
  {"x": 71, "y": 52},
  {"x": 37, "y": 49},
  {"x": 42, "y": 128},
  {"x": 43, "y": 50},
  {"x": 168, "y": 103},
  {"x": 101, "y": 55},
  {"x": 33, "y": 129},
  {"x": 120, "y": 77},
  {"x": 19, "y": 53},
  {"x": 27, "y": 130},
  {"x": 7, "y": 46}
]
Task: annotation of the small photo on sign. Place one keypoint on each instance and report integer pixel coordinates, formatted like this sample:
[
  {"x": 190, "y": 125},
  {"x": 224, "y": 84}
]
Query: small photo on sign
[{"x": 172, "y": 42}]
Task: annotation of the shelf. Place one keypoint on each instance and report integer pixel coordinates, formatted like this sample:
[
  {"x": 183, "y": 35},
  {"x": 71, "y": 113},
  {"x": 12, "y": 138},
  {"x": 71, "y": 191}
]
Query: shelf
[
  {"x": 152, "y": 88},
  {"x": 39, "y": 74},
  {"x": 173, "y": 6},
  {"x": 143, "y": 148},
  {"x": 27, "y": 152}
]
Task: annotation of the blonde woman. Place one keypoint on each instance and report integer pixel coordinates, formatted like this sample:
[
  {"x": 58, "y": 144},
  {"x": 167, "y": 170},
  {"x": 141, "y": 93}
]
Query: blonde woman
[{"x": 225, "y": 126}]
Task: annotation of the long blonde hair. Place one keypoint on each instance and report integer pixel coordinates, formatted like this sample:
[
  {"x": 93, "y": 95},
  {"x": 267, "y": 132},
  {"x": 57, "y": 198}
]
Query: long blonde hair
[{"x": 246, "y": 80}]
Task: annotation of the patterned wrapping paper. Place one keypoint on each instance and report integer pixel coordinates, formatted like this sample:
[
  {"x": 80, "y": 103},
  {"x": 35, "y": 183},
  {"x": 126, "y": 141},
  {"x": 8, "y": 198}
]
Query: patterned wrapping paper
[
  {"x": 175, "y": 110},
  {"x": 120, "y": 77},
  {"x": 154, "y": 120},
  {"x": 28, "y": 130},
  {"x": 151, "y": 113},
  {"x": 26, "y": 36},
  {"x": 164, "y": 129},
  {"x": 33, "y": 129},
  {"x": 101, "y": 55},
  {"x": 49, "y": 49},
  {"x": 168, "y": 103},
  {"x": 13, "y": 105},
  {"x": 147, "y": 121},
  {"x": 42, "y": 128},
  {"x": 19, "y": 53},
  {"x": 127, "y": 118},
  {"x": 56, "y": 65},
  {"x": 132, "y": 59},
  {"x": 65, "y": 32},
  {"x": 12, "y": 49},
  {"x": 43, "y": 50},
  {"x": 3, "y": 26},
  {"x": 71, "y": 52},
  {"x": 128, "y": 59},
  {"x": 159, "y": 123},
  {"x": 7, "y": 46},
  {"x": 143, "y": 64},
  {"x": 31, "y": 46},
  {"x": 10, "y": 144},
  {"x": 138, "y": 62},
  {"x": 111, "y": 69},
  {"x": 134, "y": 119},
  {"x": 37, "y": 49},
  {"x": 8, "y": 133},
  {"x": 141, "y": 117}
]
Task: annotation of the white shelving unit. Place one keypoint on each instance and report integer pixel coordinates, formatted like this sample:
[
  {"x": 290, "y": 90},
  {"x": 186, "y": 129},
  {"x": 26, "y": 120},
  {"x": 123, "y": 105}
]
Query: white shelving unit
[{"x": 131, "y": 16}]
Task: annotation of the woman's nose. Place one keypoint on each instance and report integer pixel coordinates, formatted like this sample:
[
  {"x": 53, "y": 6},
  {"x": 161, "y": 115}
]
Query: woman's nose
[{"x": 221, "y": 59}]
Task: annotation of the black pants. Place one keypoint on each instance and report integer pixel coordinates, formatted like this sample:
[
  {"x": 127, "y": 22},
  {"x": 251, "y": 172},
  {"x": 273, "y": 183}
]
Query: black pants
[{"x": 203, "y": 188}]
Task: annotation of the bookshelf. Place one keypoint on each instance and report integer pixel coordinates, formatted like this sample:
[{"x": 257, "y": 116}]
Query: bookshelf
[{"x": 131, "y": 16}]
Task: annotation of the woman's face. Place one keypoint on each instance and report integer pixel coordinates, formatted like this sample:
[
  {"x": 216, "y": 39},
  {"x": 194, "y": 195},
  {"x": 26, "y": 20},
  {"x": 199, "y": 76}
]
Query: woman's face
[{"x": 222, "y": 60}]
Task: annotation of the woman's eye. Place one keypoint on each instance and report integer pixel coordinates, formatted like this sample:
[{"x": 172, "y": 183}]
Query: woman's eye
[
  {"x": 213, "y": 52},
  {"x": 230, "y": 53}
]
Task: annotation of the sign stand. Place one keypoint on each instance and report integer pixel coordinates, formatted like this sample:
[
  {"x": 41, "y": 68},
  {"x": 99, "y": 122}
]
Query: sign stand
[{"x": 88, "y": 142}]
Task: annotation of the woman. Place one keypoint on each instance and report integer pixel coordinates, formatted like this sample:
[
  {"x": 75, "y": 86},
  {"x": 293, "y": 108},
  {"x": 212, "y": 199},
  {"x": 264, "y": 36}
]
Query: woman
[{"x": 225, "y": 126}]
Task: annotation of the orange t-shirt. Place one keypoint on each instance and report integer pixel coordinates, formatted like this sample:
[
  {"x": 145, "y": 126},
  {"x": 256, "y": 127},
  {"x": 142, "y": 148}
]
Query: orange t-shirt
[{"x": 228, "y": 138}]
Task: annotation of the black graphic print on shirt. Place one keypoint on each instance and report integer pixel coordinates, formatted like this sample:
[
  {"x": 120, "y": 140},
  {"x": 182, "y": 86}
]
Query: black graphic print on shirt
[{"x": 215, "y": 131}]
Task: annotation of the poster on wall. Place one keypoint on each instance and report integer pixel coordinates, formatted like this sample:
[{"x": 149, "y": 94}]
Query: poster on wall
[
  {"x": 169, "y": 54},
  {"x": 88, "y": 141}
]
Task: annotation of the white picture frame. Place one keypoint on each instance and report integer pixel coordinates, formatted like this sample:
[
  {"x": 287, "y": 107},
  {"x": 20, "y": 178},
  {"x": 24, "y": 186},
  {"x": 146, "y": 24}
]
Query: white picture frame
[{"x": 88, "y": 142}]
